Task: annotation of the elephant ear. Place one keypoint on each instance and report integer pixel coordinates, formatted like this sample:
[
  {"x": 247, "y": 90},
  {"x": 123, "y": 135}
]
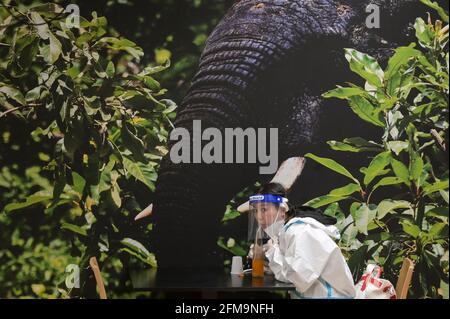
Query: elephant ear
[{"x": 286, "y": 175}]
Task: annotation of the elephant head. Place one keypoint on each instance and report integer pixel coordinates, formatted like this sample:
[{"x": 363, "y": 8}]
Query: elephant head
[{"x": 265, "y": 65}]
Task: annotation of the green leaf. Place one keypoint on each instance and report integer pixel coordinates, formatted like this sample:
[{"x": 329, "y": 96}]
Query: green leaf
[
  {"x": 437, "y": 230},
  {"x": 200, "y": 39},
  {"x": 142, "y": 172},
  {"x": 110, "y": 69},
  {"x": 346, "y": 190},
  {"x": 357, "y": 260},
  {"x": 333, "y": 165},
  {"x": 38, "y": 289},
  {"x": 348, "y": 147},
  {"x": 361, "y": 142},
  {"x": 132, "y": 142},
  {"x": 444, "y": 195},
  {"x": 78, "y": 183},
  {"x": 377, "y": 165},
  {"x": 37, "y": 198},
  {"x": 439, "y": 9},
  {"x": 90, "y": 218},
  {"x": 423, "y": 32},
  {"x": 348, "y": 231},
  {"x": 74, "y": 228},
  {"x": 410, "y": 228},
  {"x": 151, "y": 83},
  {"x": 397, "y": 146},
  {"x": 34, "y": 94},
  {"x": 362, "y": 217},
  {"x": 415, "y": 167},
  {"x": 155, "y": 69},
  {"x": 115, "y": 195},
  {"x": 58, "y": 188},
  {"x": 399, "y": 73},
  {"x": 162, "y": 55},
  {"x": 235, "y": 250},
  {"x": 73, "y": 139},
  {"x": 106, "y": 181},
  {"x": 365, "y": 66},
  {"x": 171, "y": 106},
  {"x": 230, "y": 214},
  {"x": 355, "y": 144},
  {"x": 52, "y": 51},
  {"x": 28, "y": 54},
  {"x": 41, "y": 26},
  {"x": 386, "y": 181},
  {"x": 82, "y": 39},
  {"x": 438, "y": 186},
  {"x": 439, "y": 212},
  {"x": 401, "y": 57},
  {"x": 385, "y": 103},
  {"x": 365, "y": 110},
  {"x": 122, "y": 44},
  {"x": 47, "y": 8},
  {"x": 388, "y": 205},
  {"x": 345, "y": 92},
  {"x": 12, "y": 93},
  {"x": 339, "y": 146},
  {"x": 324, "y": 200},
  {"x": 400, "y": 170},
  {"x": 335, "y": 211},
  {"x": 135, "y": 248}
]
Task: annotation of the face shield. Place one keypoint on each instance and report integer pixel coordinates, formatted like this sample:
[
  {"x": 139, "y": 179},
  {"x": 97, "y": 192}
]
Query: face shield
[{"x": 266, "y": 217}]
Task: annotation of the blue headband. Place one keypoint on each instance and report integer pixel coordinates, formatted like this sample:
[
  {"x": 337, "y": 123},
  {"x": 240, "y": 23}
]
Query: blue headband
[{"x": 267, "y": 198}]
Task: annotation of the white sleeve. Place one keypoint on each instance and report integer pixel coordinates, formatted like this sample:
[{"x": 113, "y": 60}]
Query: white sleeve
[
  {"x": 276, "y": 262},
  {"x": 308, "y": 252}
]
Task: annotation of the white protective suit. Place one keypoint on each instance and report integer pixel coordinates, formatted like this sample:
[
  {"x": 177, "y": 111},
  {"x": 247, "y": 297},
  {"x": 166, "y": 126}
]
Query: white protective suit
[{"x": 307, "y": 256}]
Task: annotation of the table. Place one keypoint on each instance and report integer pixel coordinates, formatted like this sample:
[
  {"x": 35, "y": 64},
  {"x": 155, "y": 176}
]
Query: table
[{"x": 209, "y": 282}]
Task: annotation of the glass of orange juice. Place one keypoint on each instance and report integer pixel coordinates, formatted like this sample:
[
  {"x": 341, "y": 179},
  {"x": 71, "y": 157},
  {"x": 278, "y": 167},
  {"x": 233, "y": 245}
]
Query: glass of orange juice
[{"x": 258, "y": 261}]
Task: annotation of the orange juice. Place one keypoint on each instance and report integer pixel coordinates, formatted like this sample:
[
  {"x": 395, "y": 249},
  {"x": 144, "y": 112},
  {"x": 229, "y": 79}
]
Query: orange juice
[{"x": 258, "y": 268}]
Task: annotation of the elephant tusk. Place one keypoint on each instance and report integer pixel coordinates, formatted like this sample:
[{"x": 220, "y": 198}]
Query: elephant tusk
[
  {"x": 289, "y": 171},
  {"x": 244, "y": 207},
  {"x": 286, "y": 175},
  {"x": 146, "y": 212}
]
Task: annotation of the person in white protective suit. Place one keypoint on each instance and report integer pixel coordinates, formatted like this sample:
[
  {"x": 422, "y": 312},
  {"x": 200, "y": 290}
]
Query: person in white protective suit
[{"x": 301, "y": 248}]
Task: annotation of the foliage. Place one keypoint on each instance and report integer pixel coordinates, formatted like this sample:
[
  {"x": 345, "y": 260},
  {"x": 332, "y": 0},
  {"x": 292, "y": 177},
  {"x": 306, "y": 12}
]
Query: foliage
[
  {"x": 163, "y": 29},
  {"x": 103, "y": 118},
  {"x": 397, "y": 206},
  {"x": 173, "y": 28}
]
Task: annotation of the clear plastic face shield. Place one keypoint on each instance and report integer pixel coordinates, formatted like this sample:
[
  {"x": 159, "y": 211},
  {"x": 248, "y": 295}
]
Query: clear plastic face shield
[{"x": 266, "y": 217}]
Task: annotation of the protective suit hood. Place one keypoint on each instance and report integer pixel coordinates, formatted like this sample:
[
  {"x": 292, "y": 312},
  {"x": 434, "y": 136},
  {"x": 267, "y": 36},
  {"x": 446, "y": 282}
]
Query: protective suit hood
[{"x": 330, "y": 230}]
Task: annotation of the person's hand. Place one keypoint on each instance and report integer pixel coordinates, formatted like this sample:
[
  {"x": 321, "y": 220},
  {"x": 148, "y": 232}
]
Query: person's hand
[
  {"x": 269, "y": 248},
  {"x": 272, "y": 242},
  {"x": 250, "y": 251}
]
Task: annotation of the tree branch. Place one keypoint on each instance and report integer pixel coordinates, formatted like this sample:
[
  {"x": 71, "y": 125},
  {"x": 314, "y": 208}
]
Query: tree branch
[
  {"x": 9, "y": 111},
  {"x": 439, "y": 140}
]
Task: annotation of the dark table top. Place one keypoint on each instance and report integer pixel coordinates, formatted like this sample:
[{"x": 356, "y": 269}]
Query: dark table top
[{"x": 199, "y": 279}]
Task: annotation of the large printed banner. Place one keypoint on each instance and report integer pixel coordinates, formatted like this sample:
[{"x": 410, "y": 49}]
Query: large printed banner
[{"x": 219, "y": 149}]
